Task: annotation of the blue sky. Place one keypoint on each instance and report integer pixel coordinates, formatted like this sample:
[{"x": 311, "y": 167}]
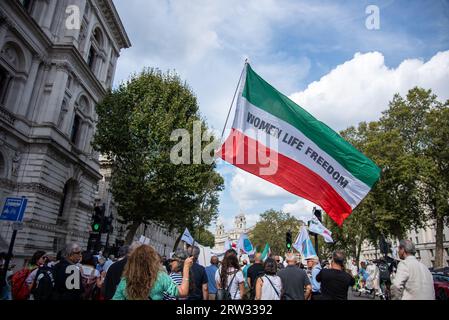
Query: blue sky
[{"x": 319, "y": 53}]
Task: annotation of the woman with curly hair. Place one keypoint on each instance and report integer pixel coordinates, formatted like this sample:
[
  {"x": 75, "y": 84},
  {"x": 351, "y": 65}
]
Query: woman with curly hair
[{"x": 143, "y": 280}]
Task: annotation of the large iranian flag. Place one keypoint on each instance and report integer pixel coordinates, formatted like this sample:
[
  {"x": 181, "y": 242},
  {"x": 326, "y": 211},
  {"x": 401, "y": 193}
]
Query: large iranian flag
[{"x": 274, "y": 138}]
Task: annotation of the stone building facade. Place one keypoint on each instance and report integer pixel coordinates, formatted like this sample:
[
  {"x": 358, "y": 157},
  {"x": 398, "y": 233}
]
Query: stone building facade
[
  {"x": 51, "y": 77},
  {"x": 424, "y": 240},
  {"x": 233, "y": 235}
]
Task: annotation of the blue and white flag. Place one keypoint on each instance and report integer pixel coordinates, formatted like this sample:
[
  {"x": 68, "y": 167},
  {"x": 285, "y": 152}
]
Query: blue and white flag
[
  {"x": 245, "y": 245},
  {"x": 227, "y": 245},
  {"x": 304, "y": 245},
  {"x": 187, "y": 237},
  {"x": 317, "y": 227}
]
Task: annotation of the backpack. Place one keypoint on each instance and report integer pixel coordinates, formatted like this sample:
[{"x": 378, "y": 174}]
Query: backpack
[
  {"x": 224, "y": 294},
  {"x": 44, "y": 284},
  {"x": 19, "y": 288},
  {"x": 91, "y": 291},
  {"x": 384, "y": 273}
]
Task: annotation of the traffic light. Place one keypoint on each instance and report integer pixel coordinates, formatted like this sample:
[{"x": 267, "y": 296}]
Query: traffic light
[
  {"x": 97, "y": 219},
  {"x": 317, "y": 213},
  {"x": 107, "y": 225},
  {"x": 288, "y": 240}
]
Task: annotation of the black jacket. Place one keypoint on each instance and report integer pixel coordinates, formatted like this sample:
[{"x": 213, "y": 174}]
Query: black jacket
[
  {"x": 113, "y": 277},
  {"x": 62, "y": 271}
]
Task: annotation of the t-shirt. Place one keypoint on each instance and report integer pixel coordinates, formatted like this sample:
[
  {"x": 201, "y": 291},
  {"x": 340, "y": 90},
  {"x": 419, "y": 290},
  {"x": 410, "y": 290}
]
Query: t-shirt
[
  {"x": 335, "y": 284},
  {"x": 163, "y": 284},
  {"x": 211, "y": 284},
  {"x": 271, "y": 288},
  {"x": 255, "y": 271},
  {"x": 177, "y": 278},
  {"x": 234, "y": 287},
  {"x": 199, "y": 275},
  {"x": 294, "y": 280}
]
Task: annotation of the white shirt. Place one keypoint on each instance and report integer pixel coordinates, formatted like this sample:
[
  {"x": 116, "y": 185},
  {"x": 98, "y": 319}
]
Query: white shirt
[
  {"x": 234, "y": 288},
  {"x": 268, "y": 292},
  {"x": 354, "y": 270}
]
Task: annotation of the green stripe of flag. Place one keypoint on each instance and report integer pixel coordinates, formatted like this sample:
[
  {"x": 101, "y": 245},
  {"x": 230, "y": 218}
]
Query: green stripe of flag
[{"x": 261, "y": 94}]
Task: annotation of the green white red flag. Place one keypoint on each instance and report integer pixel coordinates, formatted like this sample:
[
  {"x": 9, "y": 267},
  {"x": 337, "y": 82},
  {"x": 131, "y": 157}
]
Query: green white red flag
[{"x": 274, "y": 138}]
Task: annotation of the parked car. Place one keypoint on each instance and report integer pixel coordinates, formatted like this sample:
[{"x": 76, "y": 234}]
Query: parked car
[{"x": 441, "y": 285}]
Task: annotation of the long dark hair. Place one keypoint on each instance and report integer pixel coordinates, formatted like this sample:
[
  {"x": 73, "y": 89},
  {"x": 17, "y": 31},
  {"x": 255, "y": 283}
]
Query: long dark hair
[
  {"x": 228, "y": 262},
  {"x": 36, "y": 256}
]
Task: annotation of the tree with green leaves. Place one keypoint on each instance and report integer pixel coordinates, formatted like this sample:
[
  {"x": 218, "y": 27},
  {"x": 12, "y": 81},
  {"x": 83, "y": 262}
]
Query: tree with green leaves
[
  {"x": 204, "y": 237},
  {"x": 272, "y": 228},
  {"x": 409, "y": 144},
  {"x": 134, "y": 128}
]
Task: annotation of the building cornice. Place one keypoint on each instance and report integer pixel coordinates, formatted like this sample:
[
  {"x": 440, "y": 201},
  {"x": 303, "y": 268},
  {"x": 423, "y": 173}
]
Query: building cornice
[{"x": 112, "y": 17}]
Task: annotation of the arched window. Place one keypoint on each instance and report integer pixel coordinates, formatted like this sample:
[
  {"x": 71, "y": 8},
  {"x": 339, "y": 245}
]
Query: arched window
[
  {"x": 83, "y": 104},
  {"x": 91, "y": 58},
  {"x": 14, "y": 56},
  {"x": 98, "y": 37},
  {"x": 75, "y": 129}
]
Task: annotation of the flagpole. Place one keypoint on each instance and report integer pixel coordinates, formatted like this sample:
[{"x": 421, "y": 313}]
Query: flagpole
[{"x": 233, "y": 98}]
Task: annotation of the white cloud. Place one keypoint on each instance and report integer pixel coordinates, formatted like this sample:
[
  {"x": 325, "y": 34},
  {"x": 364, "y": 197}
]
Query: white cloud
[
  {"x": 301, "y": 207},
  {"x": 360, "y": 89},
  {"x": 248, "y": 190}
]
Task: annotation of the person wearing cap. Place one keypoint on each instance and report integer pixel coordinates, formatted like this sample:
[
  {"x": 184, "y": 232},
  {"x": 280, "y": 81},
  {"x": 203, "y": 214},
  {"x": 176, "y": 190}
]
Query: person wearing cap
[
  {"x": 295, "y": 282},
  {"x": 313, "y": 264},
  {"x": 176, "y": 265},
  {"x": 200, "y": 289}
]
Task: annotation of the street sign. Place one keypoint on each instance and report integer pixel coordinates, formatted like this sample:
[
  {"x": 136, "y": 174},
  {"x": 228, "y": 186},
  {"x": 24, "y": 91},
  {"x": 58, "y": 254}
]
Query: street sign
[
  {"x": 13, "y": 209},
  {"x": 17, "y": 225}
]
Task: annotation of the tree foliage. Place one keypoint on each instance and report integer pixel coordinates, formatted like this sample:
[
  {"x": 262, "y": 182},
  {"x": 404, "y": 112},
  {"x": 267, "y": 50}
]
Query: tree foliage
[
  {"x": 134, "y": 126},
  {"x": 272, "y": 228},
  {"x": 410, "y": 144}
]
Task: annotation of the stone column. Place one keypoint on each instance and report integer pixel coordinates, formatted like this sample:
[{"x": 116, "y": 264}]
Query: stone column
[
  {"x": 28, "y": 90},
  {"x": 50, "y": 111}
]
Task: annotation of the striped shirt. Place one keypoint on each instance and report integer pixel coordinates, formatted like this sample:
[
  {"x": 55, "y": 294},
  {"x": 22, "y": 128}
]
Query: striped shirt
[{"x": 177, "y": 278}]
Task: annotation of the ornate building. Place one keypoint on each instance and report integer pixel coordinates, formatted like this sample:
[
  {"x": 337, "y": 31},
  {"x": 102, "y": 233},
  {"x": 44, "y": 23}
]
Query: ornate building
[
  {"x": 233, "y": 235},
  {"x": 57, "y": 61}
]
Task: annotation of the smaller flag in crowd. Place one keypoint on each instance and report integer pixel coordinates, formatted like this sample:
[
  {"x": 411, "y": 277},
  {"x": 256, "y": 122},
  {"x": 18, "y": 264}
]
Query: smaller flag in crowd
[
  {"x": 187, "y": 237},
  {"x": 304, "y": 245}
]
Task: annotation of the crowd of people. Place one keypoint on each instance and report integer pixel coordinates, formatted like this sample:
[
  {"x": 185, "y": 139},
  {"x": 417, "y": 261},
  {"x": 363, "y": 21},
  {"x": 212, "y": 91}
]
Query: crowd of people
[{"x": 140, "y": 273}]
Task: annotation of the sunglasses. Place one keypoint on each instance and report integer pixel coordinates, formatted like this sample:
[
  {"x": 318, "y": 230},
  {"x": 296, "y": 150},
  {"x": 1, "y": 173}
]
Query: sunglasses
[{"x": 76, "y": 252}]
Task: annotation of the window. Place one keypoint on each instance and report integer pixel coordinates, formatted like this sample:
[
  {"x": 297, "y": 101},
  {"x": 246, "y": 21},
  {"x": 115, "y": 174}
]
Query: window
[
  {"x": 75, "y": 129},
  {"x": 431, "y": 252},
  {"x": 417, "y": 240},
  {"x": 62, "y": 204},
  {"x": 27, "y": 4},
  {"x": 91, "y": 58},
  {"x": 447, "y": 251},
  {"x": 2, "y": 166},
  {"x": 418, "y": 254},
  {"x": 444, "y": 237},
  {"x": 98, "y": 37},
  {"x": 4, "y": 82}
]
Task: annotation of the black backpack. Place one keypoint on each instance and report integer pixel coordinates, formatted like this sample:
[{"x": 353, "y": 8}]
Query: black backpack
[
  {"x": 384, "y": 273},
  {"x": 44, "y": 284},
  {"x": 225, "y": 294}
]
